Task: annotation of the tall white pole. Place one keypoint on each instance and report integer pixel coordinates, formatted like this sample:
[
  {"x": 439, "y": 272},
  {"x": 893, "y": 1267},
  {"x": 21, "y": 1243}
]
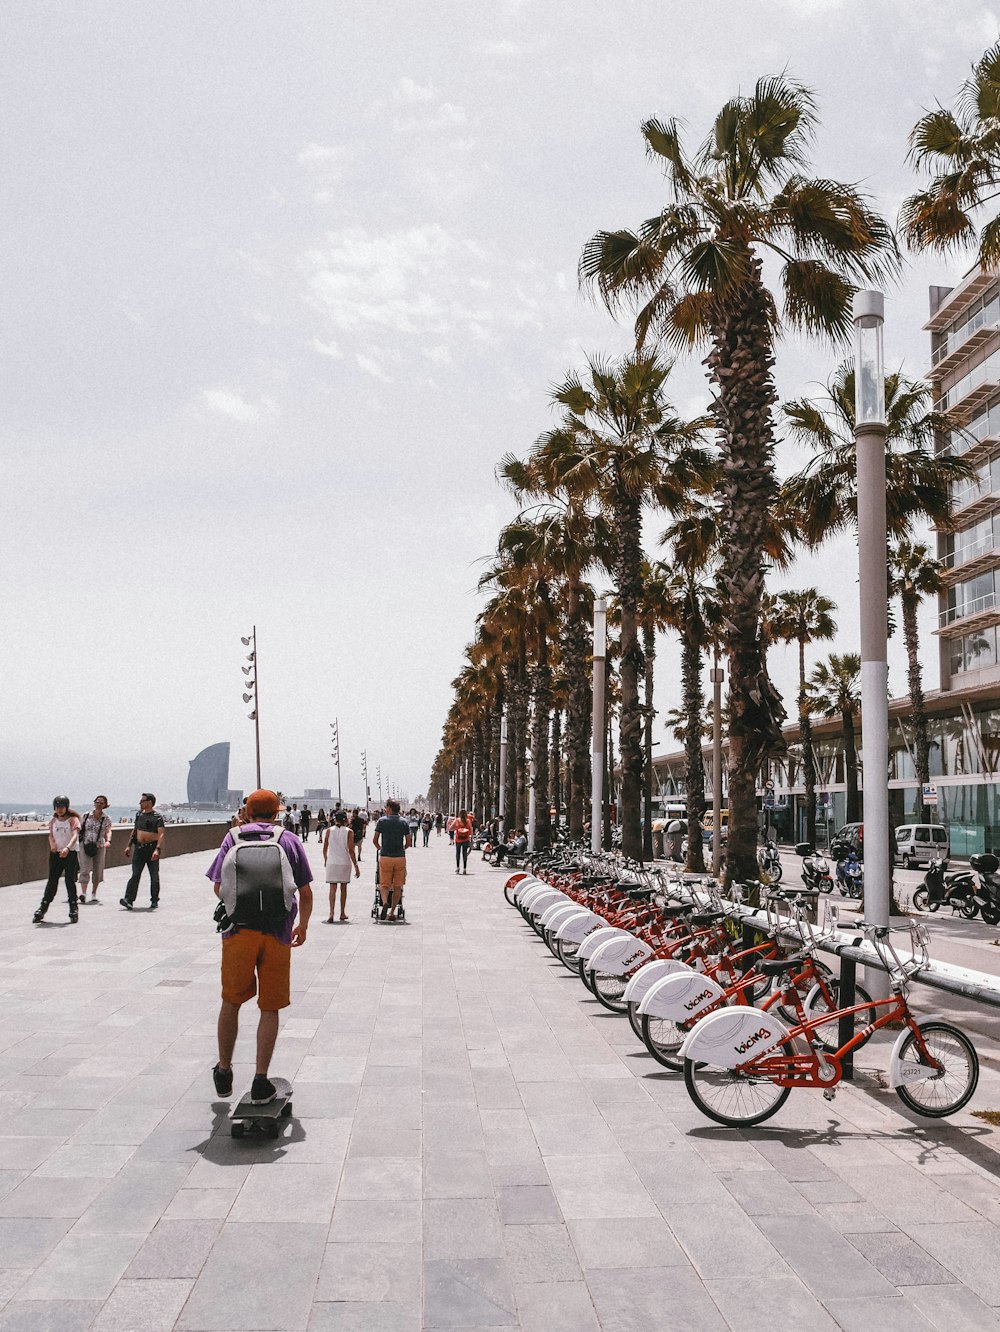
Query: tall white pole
[
  {"x": 597, "y": 728},
  {"x": 532, "y": 802},
  {"x": 502, "y": 802},
  {"x": 870, "y": 435},
  {"x": 717, "y": 675}
]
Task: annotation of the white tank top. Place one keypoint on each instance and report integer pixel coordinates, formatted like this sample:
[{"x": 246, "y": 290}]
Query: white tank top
[
  {"x": 62, "y": 833},
  {"x": 337, "y": 847}
]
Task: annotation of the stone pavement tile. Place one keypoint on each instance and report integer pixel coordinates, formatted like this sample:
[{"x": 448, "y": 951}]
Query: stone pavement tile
[
  {"x": 576, "y": 1135},
  {"x": 765, "y": 1193},
  {"x": 49, "y": 1315},
  {"x": 457, "y": 1175},
  {"x": 384, "y": 1139},
  {"x": 598, "y": 1186},
  {"x": 217, "y": 1172},
  {"x": 332, "y": 1068},
  {"x": 980, "y": 1192},
  {"x": 635, "y": 1300},
  {"x": 54, "y": 1123},
  {"x": 448, "y": 1088},
  {"x": 461, "y": 1228},
  {"x": 382, "y": 1178},
  {"x": 627, "y": 1242},
  {"x": 134, "y": 1200},
  {"x": 722, "y": 1150},
  {"x": 376, "y": 1222},
  {"x": 9, "y": 1181},
  {"x": 36, "y": 1196},
  {"x": 762, "y": 1304},
  {"x": 900, "y": 1260},
  {"x": 828, "y": 1191},
  {"x": 317, "y": 1141},
  {"x": 375, "y": 1105},
  {"x": 459, "y": 1128},
  {"x": 324, "y": 1100},
  {"x": 679, "y": 1176},
  {"x": 495, "y": 1087},
  {"x": 878, "y": 1315},
  {"x": 540, "y": 1253},
  {"x": 78, "y": 1093},
  {"x": 80, "y": 1268},
  {"x": 24, "y": 1243},
  {"x": 88, "y": 1161},
  {"x": 953, "y": 1308},
  {"x": 907, "y": 1196},
  {"x": 120, "y": 1124},
  {"x": 11, "y": 1281},
  {"x": 821, "y": 1257},
  {"x": 563, "y": 1306},
  {"x": 175, "y": 1145},
  {"x": 970, "y": 1249},
  {"x": 328, "y": 1317},
  {"x": 284, "y": 1192},
  {"x": 467, "y": 1294},
  {"x": 555, "y": 1098},
  {"x": 723, "y": 1243},
  {"x": 175, "y": 1249},
  {"x": 527, "y": 1203},
  {"x": 857, "y": 1218},
  {"x": 27, "y": 1153},
  {"x": 143, "y": 1306},
  {"x": 394, "y": 1076},
  {"x": 615, "y": 1091},
  {"x": 200, "y": 1204},
  {"x": 257, "y": 1276},
  {"x": 371, "y": 1273},
  {"x": 790, "y": 1155}
]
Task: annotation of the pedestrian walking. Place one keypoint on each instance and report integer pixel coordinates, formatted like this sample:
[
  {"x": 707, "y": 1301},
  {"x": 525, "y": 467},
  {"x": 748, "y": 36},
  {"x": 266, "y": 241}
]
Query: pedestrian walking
[
  {"x": 392, "y": 837},
  {"x": 143, "y": 850},
  {"x": 296, "y": 819},
  {"x": 426, "y": 824},
  {"x": 64, "y": 837},
  {"x": 321, "y": 823},
  {"x": 439, "y": 823},
  {"x": 339, "y": 859},
  {"x": 95, "y": 838},
  {"x": 463, "y": 829},
  {"x": 257, "y": 940},
  {"x": 306, "y": 822},
  {"x": 358, "y": 826}
]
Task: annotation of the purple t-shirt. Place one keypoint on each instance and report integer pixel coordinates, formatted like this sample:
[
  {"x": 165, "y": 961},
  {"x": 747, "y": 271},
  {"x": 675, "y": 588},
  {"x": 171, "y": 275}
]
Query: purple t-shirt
[{"x": 296, "y": 853}]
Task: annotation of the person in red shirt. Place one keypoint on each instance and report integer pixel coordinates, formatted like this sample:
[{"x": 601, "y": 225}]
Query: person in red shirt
[{"x": 463, "y": 840}]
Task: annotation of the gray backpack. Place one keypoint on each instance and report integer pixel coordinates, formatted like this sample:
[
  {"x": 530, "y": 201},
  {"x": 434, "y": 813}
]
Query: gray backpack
[{"x": 257, "y": 887}]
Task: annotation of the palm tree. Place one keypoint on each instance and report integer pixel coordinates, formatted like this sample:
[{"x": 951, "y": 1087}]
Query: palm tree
[
  {"x": 805, "y": 617},
  {"x": 913, "y": 575},
  {"x": 695, "y": 270},
  {"x": 822, "y": 499},
  {"x": 962, "y": 152},
  {"x": 655, "y": 614},
  {"x": 620, "y": 443},
  {"x": 835, "y": 691}
]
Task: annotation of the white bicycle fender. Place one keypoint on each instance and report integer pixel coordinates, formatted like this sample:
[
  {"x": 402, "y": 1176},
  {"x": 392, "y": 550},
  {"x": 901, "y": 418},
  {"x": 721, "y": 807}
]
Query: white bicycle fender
[
  {"x": 524, "y": 886},
  {"x": 593, "y": 941},
  {"x": 647, "y": 976},
  {"x": 682, "y": 998},
  {"x": 540, "y": 901},
  {"x": 551, "y": 914},
  {"x": 904, "y": 1071},
  {"x": 732, "y": 1036},
  {"x": 574, "y": 929},
  {"x": 617, "y": 956}
]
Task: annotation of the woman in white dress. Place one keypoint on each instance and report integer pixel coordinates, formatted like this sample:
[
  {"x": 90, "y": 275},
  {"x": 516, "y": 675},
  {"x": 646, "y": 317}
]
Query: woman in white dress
[{"x": 339, "y": 857}]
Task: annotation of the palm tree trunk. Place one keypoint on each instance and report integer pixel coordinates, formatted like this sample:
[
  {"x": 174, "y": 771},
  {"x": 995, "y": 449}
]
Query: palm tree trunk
[
  {"x": 918, "y": 707},
  {"x": 694, "y": 764},
  {"x": 808, "y": 757},
  {"x": 628, "y": 522},
  {"x": 521, "y": 732},
  {"x": 510, "y": 777},
  {"x": 578, "y": 709},
  {"x": 740, "y": 366},
  {"x": 609, "y": 775},
  {"x": 542, "y": 707},
  {"x": 479, "y": 753},
  {"x": 851, "y": 768},
  {"x": 555, "y": 768},
  {"x": 649, "y": 656}
]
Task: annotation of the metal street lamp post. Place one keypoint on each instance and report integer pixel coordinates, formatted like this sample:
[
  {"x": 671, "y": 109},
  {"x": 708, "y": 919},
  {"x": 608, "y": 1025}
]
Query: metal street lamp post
[
  {"x": 251, "y": 684},
  {"x": 717, "y": 675},
  {"x": 870, "y": 436},
  {"x": 502, "y": 780},
  {"x": 597, "y": 728},
  {"x": 335, "y": 753}
]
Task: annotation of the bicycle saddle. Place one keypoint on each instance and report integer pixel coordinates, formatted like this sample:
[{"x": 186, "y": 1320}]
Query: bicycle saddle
[
  {"x": 707, "y": 917},
  {"x": 672, "y": 910},
  {"x": 778, "y": 965},
  {"x": 637, "y": 894}
]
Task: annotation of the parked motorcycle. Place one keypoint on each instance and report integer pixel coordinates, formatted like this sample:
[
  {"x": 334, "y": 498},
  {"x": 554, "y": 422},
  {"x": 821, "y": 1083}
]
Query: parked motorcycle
[
  {"x": 850, "y": 871},
  {"x": 988, "y": 897},
  {"x": 815, "y": 868},
  {"x": 957, "y": 890},
  {"x": 768, "y": 862}
]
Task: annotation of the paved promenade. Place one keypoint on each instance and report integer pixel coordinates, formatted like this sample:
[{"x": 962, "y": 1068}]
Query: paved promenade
[{"x": 476, "y": 1144}]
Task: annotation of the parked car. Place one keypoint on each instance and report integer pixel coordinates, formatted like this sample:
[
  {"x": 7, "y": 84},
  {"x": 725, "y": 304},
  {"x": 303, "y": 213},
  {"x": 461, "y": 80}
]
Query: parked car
[
  {"x": 853, "y": 834},
  {"x": 920, "y": 843}
]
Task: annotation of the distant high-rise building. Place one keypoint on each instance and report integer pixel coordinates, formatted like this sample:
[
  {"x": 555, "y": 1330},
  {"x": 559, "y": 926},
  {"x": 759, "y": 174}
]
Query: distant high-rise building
[
  {"x": 208, "y": 776},
  {"x": 317, "y": 793}
]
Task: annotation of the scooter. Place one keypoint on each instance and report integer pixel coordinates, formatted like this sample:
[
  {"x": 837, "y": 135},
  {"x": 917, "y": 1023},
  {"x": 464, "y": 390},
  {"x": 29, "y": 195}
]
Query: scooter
[
  {"x": 815, "y": 868},
  {"x": 956, "y": 890},
  {"x": 850, "y": 871},
  {"x": 988, "y": 897},
  {"x": 768, "y": 862}
]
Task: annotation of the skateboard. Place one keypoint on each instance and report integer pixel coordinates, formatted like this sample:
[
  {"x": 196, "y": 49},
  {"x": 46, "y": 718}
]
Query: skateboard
[{"x": 246, "y": 1117}]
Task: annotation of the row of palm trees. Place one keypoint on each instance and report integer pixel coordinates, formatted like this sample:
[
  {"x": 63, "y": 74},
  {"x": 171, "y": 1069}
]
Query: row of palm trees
[{"x": 694, "y": 276}]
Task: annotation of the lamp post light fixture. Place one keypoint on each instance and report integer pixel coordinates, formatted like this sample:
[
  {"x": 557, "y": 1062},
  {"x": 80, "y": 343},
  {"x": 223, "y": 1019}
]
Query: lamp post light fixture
[
  {"x": 597, "y": 728},
  {"x": 250, "y": 684},
  {"x": 335, "y": 752},
  {"x": 870, "y": 437},
  {"x": 364, "y": 776}
]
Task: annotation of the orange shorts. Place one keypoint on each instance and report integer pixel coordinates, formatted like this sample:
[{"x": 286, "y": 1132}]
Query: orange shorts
[
  {"x": 252, "y": 961},
  {"x": 391, "y": 871}
]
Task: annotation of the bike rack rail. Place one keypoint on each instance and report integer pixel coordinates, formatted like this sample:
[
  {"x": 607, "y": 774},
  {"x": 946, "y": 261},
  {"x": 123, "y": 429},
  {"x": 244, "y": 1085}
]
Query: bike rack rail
[{"x": 840, "y": 942}]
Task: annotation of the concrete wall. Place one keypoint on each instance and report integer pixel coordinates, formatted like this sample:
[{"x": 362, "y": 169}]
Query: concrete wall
[{"x": 24, "y": 856}]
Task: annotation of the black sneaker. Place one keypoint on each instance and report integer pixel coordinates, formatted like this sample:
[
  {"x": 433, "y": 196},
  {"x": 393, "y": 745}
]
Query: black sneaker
[
  {"x": 125, "y": 903},
  {"x": 74, "y": 915},
  {"x": 223, "y": 1079},
  {"x": 153, "y": 906},
  {"x": 262, "y": 1090},
  {"x": 38, "y": 917}
]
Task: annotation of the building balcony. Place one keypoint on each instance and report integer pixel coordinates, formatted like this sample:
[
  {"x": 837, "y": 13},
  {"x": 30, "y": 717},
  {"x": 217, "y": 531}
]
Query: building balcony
[
  {"x": 964, "y": 295},
  {"x": 973, "y": 450},
  {"x": 975, "y": 396},
  {"x": 967, "y": 563},
  {"x": 947, "y": 358},
  {"x": 968, "y": 505},
  {"x": 971, "y": 615}
]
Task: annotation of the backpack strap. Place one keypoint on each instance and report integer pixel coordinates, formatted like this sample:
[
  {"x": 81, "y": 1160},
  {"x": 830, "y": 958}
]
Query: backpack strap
[{"x": 272, "y": 836}]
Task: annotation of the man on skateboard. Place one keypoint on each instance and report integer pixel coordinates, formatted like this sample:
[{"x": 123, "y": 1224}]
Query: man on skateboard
[{"x": 258, "y": 961}]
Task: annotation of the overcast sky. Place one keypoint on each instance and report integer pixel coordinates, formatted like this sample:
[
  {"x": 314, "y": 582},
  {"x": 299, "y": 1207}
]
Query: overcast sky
[{"x": 281, "y": 282}]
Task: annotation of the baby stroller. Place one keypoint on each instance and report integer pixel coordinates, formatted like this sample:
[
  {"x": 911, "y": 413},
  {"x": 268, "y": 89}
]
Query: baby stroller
[{"x": 377, "y": 904}]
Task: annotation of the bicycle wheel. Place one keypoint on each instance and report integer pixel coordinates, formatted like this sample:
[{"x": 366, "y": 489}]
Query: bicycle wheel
[
  {"x": 635, "y": 1018},
  {"x": 610, "y": 989},
  {"x": 733, "y": 1099},
  {"x": 567, "y": 953},
  {"x": 952, "y": 1088},
  {"x": 663, "y": 1038}
]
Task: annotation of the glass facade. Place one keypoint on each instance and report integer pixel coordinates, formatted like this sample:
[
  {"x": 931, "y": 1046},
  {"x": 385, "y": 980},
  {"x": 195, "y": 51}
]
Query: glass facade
[
  {"x": 984, "y": 312},
  {"x": 986, "y": 372},
  {"x": 984, "y": 425}
]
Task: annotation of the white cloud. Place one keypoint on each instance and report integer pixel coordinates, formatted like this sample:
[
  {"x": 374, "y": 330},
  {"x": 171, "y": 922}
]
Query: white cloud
[
  {"x": 425, "y": 109},
  {"x": 330, "y": 349},
  {"x": 408, "y": 90},
  {"x": 225, "y": 402},
  {"x": 501, "y": 48},
  {"x": 371, "y": 367},
  {"x": 321, "y": 155},
  {"x": 439, "y": 355}
]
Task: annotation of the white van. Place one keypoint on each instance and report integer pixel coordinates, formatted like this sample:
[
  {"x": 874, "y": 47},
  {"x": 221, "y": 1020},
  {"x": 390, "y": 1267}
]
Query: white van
[{"x": 920, "y": 843}]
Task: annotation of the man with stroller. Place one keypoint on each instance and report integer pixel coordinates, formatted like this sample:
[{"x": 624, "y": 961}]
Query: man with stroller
[{"x": 392, "y": 837}]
